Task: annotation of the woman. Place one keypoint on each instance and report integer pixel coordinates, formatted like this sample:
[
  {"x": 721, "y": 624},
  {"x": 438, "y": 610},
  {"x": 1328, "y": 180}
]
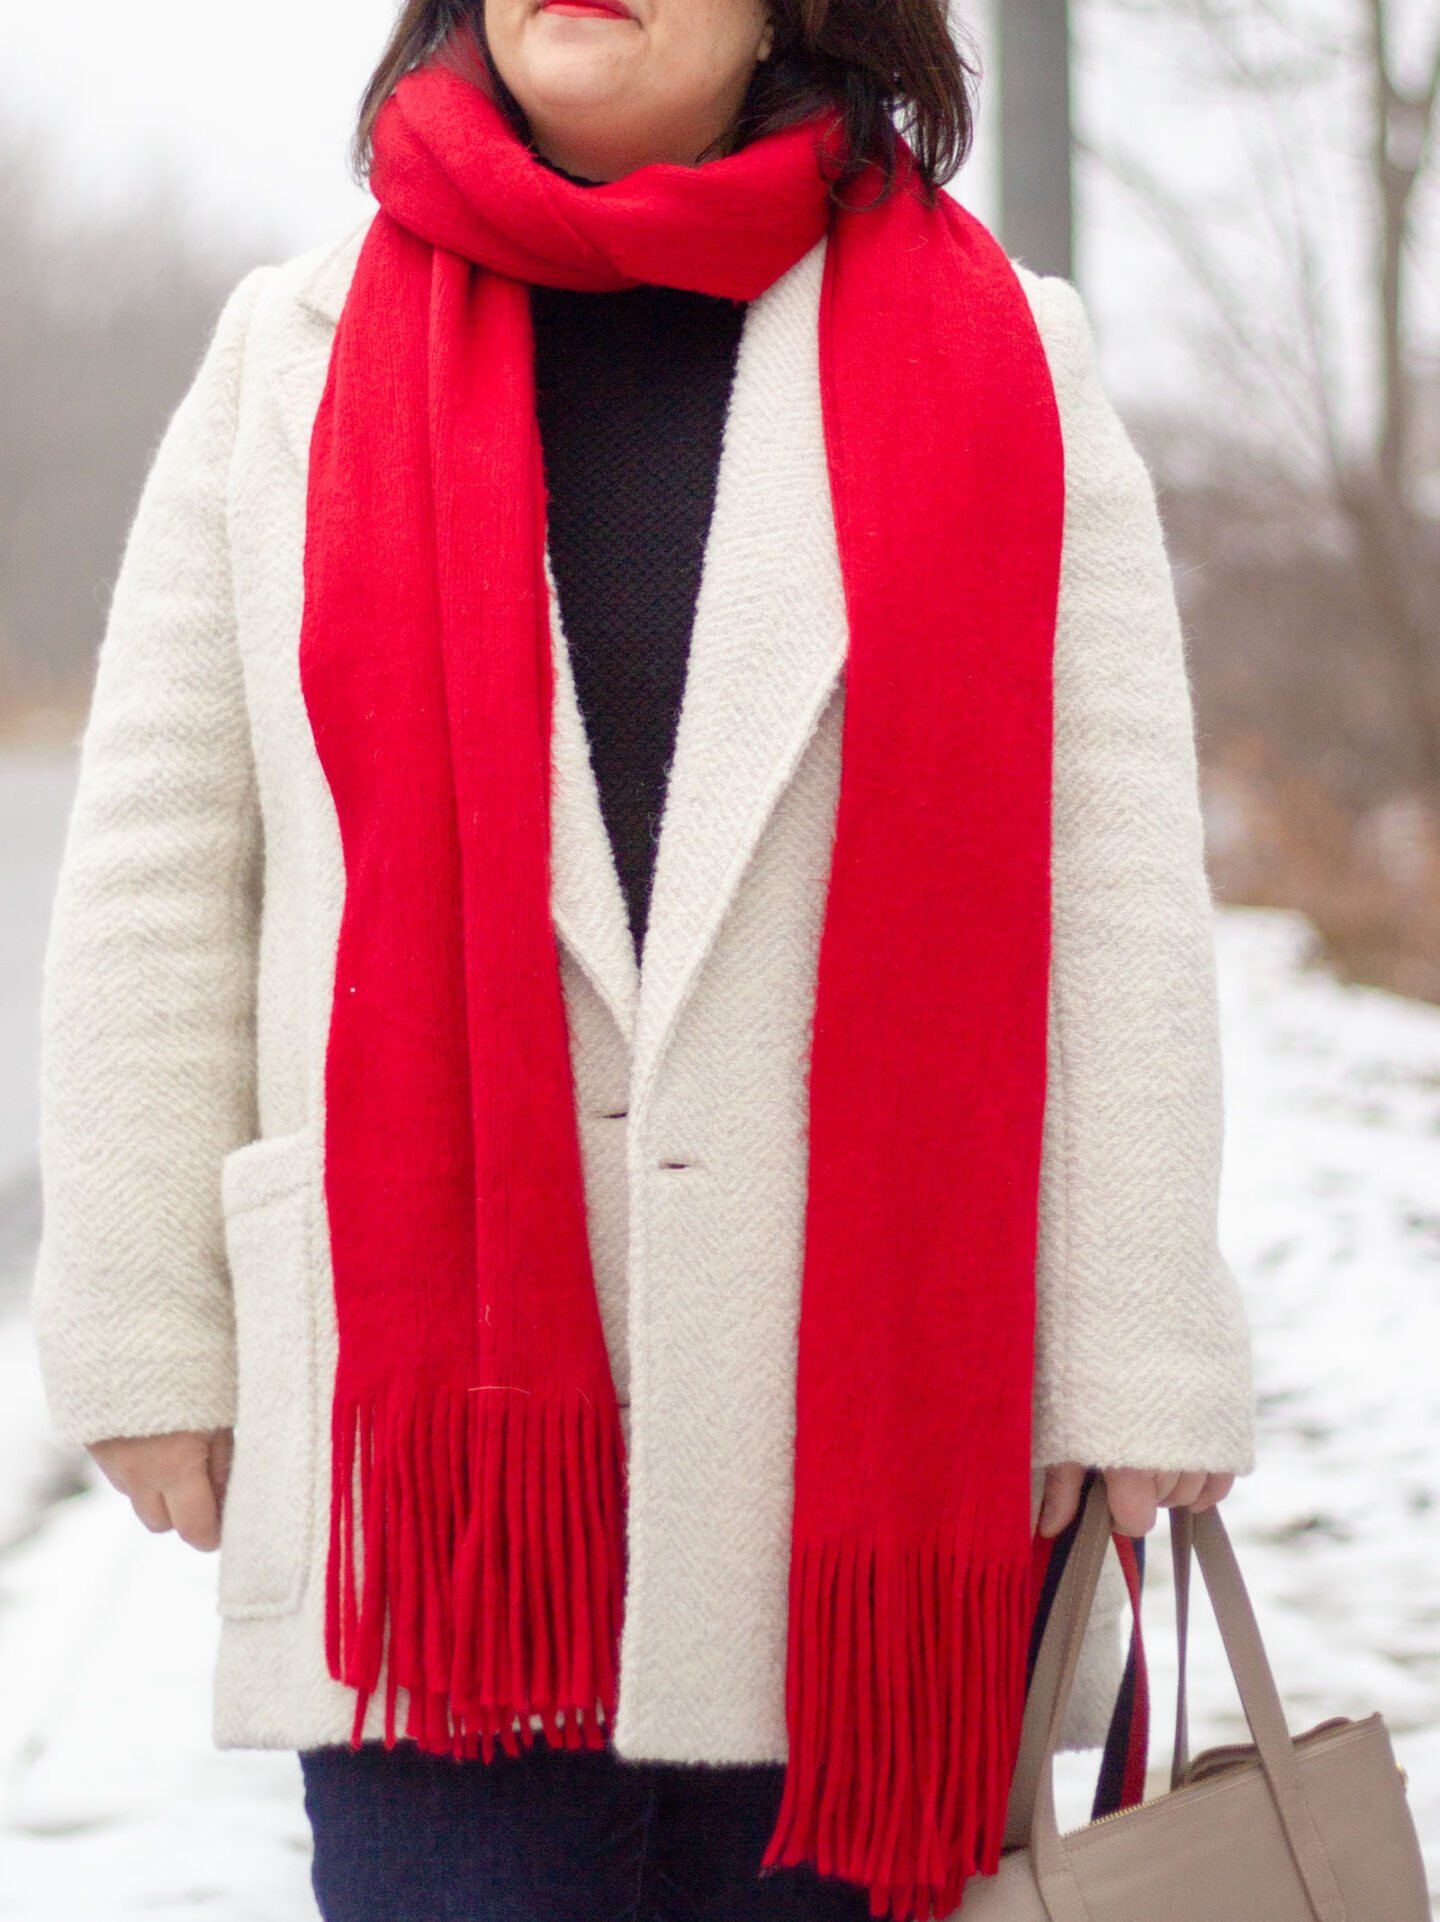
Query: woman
[{"x": 631, "y": 1365}]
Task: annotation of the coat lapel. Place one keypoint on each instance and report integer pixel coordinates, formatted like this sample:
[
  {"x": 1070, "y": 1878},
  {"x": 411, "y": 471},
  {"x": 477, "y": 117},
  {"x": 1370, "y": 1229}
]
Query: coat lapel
[
  {"x": 769, "y": 641},
  {"x": 768, "y": 644},
  {"x": 300, "y": 378},
  {"x": 323, "y": 293},
  {"x": 585, "y": 896}
]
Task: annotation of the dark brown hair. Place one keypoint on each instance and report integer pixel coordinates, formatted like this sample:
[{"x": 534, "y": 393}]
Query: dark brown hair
[{"x": 877, "y": 64}]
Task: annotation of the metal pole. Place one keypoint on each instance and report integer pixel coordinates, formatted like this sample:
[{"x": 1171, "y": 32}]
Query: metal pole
[{"x": 1036, "y": 201}]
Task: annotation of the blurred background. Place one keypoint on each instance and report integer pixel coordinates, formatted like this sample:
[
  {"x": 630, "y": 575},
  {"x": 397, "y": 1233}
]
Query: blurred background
[{"x": 1248, "y": 193}]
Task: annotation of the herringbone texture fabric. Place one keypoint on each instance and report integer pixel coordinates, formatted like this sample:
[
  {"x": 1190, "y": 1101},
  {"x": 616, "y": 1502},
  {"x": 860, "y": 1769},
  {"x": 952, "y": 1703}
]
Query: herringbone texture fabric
[{"x": 189, "y": 987}]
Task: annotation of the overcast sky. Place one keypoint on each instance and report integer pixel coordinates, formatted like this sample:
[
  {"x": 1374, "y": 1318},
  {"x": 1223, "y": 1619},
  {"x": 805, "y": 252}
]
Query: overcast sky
[{"x": 246, "y": 105}]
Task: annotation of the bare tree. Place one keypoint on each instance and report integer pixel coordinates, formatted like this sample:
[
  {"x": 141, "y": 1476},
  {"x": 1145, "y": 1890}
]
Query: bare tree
[
  {"x": 1378, "y": 491},
  {"x": 1284, "y": 151},
  {"x": 1036, "y": 199},
  {"x": 1280, "y": 345}
]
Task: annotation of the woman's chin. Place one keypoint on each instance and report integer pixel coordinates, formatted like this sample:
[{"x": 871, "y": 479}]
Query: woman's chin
[
  {"x": 587, "y": 76},
  {"x": 595, "y": 40}
]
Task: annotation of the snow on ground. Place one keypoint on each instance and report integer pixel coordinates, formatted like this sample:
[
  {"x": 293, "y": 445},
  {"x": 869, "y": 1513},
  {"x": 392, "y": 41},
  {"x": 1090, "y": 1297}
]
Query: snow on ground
[
  {"x": 1331, "y": 1217},
  {"x": 114, "y": 1806}
]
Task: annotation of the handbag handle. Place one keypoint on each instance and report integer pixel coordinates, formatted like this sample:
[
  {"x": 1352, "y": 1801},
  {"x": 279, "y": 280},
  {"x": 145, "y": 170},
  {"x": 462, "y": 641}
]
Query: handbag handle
[
  {"x": 1260, "y": 1699},
  {"x": 1047, "y": 1674},
  {"x": 1182, "y": 1541},
  {"x": 1055, "y": 1675},
  {"x": 1045, "y": 1679}
]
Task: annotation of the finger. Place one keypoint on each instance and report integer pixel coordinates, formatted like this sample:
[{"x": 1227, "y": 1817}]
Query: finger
[
  {"x": 1133, "y": 1499},
  {"x": 1188, "y": 1488},
  {"x": 222, "y": 1453},
  {"x": 194, "y": 1511},
  {"x": 109, "y": 1458},
  {"x": 1063, "y": 1483},
  {"x": 1216, "y": 1488},
  {"x": 149, "y": 1505}
]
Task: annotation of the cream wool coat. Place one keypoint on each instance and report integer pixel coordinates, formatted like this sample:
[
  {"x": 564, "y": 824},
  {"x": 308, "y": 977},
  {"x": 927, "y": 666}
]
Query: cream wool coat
[{"x": 184, "y": 1279}]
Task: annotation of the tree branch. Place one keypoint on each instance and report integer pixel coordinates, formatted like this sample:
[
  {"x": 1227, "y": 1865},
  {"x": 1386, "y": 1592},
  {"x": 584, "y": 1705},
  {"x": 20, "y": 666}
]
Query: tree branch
[{"x": 1223, "y": 293}]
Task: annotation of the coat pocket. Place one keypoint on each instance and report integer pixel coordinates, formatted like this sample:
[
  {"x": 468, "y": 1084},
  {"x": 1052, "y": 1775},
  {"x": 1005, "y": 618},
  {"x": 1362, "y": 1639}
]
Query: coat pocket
[{"x": 267, "y": 1190}]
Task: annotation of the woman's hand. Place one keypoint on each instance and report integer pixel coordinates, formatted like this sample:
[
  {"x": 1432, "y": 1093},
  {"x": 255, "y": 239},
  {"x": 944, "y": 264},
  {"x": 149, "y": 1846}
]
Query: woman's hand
[
  {"x": 1136, "y": 1495},
  {"x": 173, "y": 1481}
]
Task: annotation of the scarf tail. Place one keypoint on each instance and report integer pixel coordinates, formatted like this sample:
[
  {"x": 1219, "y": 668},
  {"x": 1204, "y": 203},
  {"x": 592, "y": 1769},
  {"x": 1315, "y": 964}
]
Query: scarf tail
[
  {"x": 905, "y": 1696},
  {"x": 910, "y": 1557},
  {"x": 476, "y": 1565}
]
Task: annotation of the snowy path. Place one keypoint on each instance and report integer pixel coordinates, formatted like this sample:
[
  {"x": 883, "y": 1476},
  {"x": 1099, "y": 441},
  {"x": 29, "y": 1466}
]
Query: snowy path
[
  {"x": 35, "y": 789},
  {"x": 114, "y": 1807}
]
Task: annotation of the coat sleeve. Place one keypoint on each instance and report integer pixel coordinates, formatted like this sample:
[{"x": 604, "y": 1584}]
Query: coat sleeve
[
  {"x": 1143, "y": 1352},
  {"x": 147, "y": 1065}
]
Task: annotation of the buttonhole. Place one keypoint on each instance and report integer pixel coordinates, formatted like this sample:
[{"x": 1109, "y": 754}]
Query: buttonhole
[
  {"x": 675, "y": 1164},
  {"x": 620, "y": 1114}
]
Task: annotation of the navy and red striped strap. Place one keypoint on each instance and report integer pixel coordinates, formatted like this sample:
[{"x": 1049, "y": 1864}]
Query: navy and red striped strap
[{"x": 1121, "y": 1780}]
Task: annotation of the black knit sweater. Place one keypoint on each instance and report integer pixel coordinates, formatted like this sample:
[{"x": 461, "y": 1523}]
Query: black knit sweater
[{"x": 632, "y": 391}]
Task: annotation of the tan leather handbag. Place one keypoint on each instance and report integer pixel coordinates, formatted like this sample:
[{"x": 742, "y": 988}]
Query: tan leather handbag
[{"x": 1310, "y": 1829}]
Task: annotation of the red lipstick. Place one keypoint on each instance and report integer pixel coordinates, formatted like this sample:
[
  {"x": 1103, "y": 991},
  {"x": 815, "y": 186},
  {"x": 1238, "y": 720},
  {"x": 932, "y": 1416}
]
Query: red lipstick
[{"x": 588, "y": 9}]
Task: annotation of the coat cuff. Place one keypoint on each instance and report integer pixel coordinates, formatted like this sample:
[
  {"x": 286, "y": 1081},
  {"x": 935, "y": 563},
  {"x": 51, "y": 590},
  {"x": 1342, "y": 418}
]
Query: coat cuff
[{"x": 101, "y": 1399}]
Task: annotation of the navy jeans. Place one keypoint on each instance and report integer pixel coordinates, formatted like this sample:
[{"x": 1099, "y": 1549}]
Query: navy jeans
[{"x": 551, "y": 1836}]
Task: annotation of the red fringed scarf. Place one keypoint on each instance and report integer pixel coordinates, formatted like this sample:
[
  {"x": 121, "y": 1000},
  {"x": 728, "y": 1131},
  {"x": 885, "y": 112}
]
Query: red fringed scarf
[{"x": 477, "y": 1530}]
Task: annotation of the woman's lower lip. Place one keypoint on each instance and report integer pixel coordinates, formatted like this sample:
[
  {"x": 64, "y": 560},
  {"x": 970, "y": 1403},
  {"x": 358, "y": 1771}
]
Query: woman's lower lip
[{"x": 592, "y": 7}]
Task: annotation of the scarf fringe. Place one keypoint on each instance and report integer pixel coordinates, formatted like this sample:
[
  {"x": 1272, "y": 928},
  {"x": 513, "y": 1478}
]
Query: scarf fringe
[
  {"x": 476, "y": 1563},
  {"x": 906, "y": 1689}
]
